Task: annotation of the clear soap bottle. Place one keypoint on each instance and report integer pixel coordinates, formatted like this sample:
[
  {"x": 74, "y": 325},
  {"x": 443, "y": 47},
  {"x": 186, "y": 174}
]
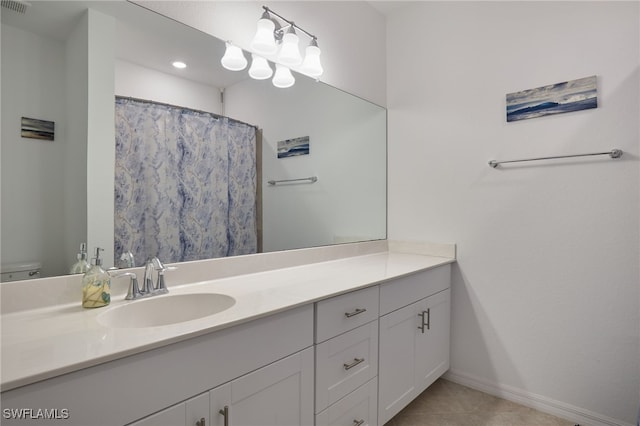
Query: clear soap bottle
[
  {"x": 96, "y": 285},
  {"x": 81, "y": 266}
]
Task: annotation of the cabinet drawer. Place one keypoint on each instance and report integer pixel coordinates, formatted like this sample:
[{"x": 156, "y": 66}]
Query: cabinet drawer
[
  {"x": 346, "y": 312},
  {"x": 406, "y": 290},
  {"x": 345, "y": 363},
  {"x": 357, "y": 408}
]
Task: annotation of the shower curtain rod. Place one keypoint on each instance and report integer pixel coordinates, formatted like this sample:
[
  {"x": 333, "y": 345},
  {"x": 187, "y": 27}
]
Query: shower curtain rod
[{"x": 213, "y": 114}]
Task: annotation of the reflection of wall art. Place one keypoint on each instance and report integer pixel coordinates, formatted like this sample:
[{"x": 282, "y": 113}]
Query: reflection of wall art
[
  {"x": 37, "y": 129},
  {"x": 574, "y": 95},
  {"x": 293, "y": 147}
]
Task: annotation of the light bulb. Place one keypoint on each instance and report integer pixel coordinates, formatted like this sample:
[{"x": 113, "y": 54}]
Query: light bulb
[
  {"x": 233, "y": 58},
  {"x": 264, "y": 42},
  {"x": 311, "y": 65},
  {"x": 289, "y": 53},
  {"x": 283, "y": 77},
  {"x": 260, "y": 69}
]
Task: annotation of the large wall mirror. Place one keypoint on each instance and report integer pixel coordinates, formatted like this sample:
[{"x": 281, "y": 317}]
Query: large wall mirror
[{"x": 82, "y": 65}]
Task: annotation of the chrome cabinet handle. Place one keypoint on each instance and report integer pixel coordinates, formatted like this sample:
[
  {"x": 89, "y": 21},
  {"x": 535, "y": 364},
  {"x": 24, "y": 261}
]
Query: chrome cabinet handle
[
  {"x": 225, "y": 413},
  {"x": 358, "y": 422},
  {"x": 355, "y": 362},
  {"x": 201, "y": 422},
  {"x": 428, "y": 318},
  {"x": 354, "y": 313},
  {"x": 428, "y": 323}
]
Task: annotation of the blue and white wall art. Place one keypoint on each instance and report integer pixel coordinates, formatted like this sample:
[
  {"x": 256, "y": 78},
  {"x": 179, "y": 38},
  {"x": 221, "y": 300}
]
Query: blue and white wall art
[
  {"x": 37, "y": 129},
  {"x": 293, "y": 147},
  {"x": 574, "y": 95}
]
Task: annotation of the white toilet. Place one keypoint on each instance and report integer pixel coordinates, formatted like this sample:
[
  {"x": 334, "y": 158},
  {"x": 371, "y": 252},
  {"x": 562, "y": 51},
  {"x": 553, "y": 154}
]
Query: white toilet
[{"x": 20, "y": 271}]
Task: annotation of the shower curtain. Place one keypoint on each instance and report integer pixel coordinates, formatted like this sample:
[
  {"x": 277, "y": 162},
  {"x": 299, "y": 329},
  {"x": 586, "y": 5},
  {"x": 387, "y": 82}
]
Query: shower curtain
[{"x": 185, "y": 183}]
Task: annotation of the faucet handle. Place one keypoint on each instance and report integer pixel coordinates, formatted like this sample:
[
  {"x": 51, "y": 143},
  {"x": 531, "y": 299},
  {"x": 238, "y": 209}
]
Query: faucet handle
[
  {"x": 161, "y": 287},
  {"x": 134, "y": 289}
]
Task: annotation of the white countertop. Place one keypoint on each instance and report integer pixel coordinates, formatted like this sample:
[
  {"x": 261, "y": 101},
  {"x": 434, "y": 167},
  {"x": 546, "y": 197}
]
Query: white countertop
[{"x": 45, "y": 342}]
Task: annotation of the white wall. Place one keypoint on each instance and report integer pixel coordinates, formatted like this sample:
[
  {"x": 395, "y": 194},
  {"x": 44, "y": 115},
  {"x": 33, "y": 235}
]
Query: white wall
[
  {"x": 545, "y": 291},
  {"x": 100, "y": 134},
  {"x": 75, "y": 184},
  {"x": 136, "y": 81},
  {"x": 33, "y": 85},
  {"x": 351, "y": 34}
]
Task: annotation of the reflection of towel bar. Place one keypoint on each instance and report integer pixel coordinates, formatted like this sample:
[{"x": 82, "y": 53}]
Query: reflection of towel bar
[
  {"x": 615, "y": 153},
  {"x": 311, "y": 179}
]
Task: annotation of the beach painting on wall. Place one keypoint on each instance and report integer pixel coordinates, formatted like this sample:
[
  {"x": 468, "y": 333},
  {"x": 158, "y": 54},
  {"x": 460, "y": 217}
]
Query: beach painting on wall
[
  {"x": 37, "y": 129},
  {"x": 574, "y": 95},
  {"x": 293, "y": 147}
]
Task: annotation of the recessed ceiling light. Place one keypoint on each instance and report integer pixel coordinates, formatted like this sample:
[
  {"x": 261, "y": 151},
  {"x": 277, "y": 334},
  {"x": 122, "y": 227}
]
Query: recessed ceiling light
[{"x": 179, "y": 64}]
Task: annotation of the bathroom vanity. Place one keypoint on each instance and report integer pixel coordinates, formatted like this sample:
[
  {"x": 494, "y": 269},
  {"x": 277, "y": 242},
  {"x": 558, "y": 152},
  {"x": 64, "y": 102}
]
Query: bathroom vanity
[{"x": 343, "y": 341}]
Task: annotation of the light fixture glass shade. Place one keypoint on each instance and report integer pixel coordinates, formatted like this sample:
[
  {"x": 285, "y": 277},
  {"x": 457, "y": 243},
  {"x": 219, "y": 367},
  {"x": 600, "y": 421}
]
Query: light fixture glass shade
[
  {"x": 283, "y": 77},
  {"x": 289, "y": 53},
  {"x": 233, "y": 58},
  {"x": 311, "y": 65},
  {"x": 264, "y": 42},
  {"x": 260, "y": 69}
]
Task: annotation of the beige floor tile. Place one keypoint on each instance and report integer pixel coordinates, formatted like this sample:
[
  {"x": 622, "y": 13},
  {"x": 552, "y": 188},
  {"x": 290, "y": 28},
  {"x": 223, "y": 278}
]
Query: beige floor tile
[{"x": 448, "y": 404}]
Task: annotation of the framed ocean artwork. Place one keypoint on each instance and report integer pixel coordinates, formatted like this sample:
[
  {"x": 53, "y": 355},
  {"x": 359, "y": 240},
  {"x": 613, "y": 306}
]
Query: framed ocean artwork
[
  {"x": 293, "y": 147},
  {"x": 568, "y": 96},
  {"x": 37, "y": 129}
]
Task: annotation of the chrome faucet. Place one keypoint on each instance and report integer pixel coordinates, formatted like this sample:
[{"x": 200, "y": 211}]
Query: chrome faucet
[
  {"x": 154, "y": 265},
  {"x": 148, "y": 287}
]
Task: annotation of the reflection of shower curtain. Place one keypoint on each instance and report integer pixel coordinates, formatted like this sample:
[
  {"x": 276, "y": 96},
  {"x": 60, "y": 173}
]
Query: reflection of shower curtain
[{"x": 185, "y": 183}]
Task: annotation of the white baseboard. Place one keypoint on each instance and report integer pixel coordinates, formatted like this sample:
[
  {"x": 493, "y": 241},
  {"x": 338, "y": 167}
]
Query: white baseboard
[{"x": 538, "y": 402}]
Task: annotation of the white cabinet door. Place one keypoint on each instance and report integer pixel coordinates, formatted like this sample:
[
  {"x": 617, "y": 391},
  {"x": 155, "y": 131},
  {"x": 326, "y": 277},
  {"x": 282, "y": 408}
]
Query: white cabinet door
[
  {"x": 414, "y": 352},
  {"x": 278, "y": 394},
  {"x": 432, "y": 344},
  {"x": 189, "y": 413},
  {"x": 220, "y": 405},
  {"x": 197, "y": 410}
]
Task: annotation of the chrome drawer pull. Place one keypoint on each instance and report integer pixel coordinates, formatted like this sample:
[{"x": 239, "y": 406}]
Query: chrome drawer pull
[
  {"x": 225, "y": 413},
  {"x": 358, "y": 422},
  {"x": 354, "y": 313},
  {"x": 201, "y": 422},
  {"x": 355, "y": 362}
]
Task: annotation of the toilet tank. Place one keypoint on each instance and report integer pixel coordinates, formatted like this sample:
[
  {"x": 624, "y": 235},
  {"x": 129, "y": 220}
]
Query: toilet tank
[{"x": 19, "y": 271}]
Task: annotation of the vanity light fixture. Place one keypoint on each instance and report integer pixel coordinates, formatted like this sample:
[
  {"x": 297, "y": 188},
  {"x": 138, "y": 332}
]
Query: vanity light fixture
[
  {"x": 289, "y": 52},
  {"x": 283, "y": 77},
  {"x": 233, "y": 58},
  {"x": 276, "y": 38},
  {"x": 311, "y": 64},
  {"x": 260, "y": 69},
  {"x": 264, "y": 42}
]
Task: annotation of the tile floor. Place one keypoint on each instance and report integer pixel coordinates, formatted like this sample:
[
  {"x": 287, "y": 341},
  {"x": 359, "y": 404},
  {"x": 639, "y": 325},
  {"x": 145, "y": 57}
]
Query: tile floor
[{"x": 449, "y": 404}]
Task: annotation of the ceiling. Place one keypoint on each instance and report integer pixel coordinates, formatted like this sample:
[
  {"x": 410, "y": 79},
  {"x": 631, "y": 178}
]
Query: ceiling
[{"x": 389, "y": 6}]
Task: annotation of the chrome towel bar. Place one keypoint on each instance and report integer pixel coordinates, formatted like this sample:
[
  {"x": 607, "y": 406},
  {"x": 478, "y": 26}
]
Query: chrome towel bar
[
  {"x": 311, "y": 179},
  {"x": 614, "y": 153}
]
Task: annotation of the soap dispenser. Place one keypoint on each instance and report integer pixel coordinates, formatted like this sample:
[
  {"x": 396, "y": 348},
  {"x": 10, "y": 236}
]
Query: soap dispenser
[
  {"x": 96, "y": 284},
  {"x": 81, "y": 266}
]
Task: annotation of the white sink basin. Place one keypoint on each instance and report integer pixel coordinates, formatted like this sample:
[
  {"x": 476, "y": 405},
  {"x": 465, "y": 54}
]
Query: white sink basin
[{"x": 165, "y": 310}]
